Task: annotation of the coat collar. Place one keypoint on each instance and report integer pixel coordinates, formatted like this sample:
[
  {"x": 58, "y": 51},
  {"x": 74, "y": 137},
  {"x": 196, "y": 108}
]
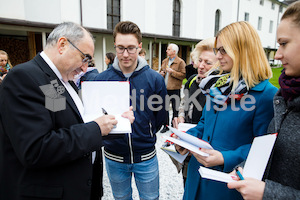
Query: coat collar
[{"x": 52, "y": 76}]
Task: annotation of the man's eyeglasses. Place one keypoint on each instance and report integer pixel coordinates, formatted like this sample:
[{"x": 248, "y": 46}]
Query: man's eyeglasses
[
  {"x": 130, "y": 50},
  {"x": 87, "y": 57},
  {"x": 221, "y": 50}
]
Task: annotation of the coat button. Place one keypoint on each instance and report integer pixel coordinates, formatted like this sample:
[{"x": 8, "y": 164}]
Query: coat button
[
  {"x": 277, "y": 102},
  {"x": 89, "y": 182}
]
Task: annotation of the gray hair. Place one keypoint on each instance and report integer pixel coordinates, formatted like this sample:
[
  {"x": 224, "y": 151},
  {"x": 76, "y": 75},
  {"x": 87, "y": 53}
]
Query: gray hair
[
  {"x": 174, "y": 47},
  {"x": 72, "y": 31}
]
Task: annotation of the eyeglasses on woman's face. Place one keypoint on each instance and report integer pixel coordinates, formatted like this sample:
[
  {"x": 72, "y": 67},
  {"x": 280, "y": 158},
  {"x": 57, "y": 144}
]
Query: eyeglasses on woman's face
[{"x": 220, "y": 49}]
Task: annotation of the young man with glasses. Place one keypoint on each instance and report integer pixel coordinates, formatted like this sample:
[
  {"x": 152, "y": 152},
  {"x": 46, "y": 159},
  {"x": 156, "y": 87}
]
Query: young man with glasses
[
  {"x": 46, "y": 153},
  {"x": 134, "y": 153}
]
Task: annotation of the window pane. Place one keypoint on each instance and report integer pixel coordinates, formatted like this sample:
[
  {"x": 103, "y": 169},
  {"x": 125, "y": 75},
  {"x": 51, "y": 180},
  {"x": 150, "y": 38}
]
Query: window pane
[
  {"x": 109, "y": 7},
  {"x": 116, "y": 10},
  {"x": 115, "y": 21},
  {"x": 109, "y": 22}
]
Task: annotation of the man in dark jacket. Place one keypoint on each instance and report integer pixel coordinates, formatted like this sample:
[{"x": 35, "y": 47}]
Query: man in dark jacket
[
  {"x": 45, "y": 148},
  {"x": 134, "y": 153}
]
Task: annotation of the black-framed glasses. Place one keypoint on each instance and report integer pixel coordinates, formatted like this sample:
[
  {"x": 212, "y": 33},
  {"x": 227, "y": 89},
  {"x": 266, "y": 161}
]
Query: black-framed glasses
[
  {"x": 130, "y": 50},
  {"x": 87, "y": 57},
  {"x": 221, "y": 50}
]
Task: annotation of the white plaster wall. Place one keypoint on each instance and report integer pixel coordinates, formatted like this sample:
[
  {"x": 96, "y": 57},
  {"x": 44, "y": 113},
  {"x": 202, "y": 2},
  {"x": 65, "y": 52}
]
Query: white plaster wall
[
  {"x": 94, "y": 13},
  {"x": 13, "y": 9},
  {"x": 43, "y": 11}
]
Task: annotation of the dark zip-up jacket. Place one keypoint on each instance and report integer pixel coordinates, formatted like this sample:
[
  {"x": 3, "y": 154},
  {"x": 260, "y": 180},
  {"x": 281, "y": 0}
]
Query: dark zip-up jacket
[{"x": 145, "y": 84}]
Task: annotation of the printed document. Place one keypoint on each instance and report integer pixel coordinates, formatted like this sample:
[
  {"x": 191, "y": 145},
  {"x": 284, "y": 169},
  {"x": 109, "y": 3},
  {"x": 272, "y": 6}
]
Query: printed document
[{"x": 112, "y": 96}]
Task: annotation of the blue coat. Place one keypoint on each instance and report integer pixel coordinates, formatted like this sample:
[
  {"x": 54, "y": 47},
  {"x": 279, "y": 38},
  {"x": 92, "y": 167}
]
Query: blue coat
[{"x": 230, "y": 132}]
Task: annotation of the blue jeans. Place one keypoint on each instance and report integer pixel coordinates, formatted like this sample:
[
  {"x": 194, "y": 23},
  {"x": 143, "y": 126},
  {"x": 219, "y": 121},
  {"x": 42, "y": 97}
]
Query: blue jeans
[{"x": 146, "y": 177}]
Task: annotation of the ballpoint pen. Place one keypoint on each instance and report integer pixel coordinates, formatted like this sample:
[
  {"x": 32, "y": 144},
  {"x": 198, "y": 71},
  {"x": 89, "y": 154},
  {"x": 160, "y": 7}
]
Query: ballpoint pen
[
  {"x": 104, "y": 111},
  {"x": 239, "y": 173}
]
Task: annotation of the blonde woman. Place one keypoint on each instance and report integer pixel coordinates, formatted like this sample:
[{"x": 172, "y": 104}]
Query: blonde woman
[
  {"x": 5, "y": 64},
  {"x": 239, "y": 108},
  {"x": 282, "y": 177}
]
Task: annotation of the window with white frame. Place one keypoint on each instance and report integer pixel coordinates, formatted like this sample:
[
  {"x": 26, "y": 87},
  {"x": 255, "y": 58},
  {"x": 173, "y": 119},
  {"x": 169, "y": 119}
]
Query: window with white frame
[
  {"x": 246, "y": 18},
  {"x": 259, "y": 25},
  {"x": 176, "y": 18},
  {"x": 261, "y": 2},
  {"x": 217, "y": 21},
  {"x": 113, "y": 13},
  {"x": 273, "y": 6},
  {"x": 271, "y": 26}
]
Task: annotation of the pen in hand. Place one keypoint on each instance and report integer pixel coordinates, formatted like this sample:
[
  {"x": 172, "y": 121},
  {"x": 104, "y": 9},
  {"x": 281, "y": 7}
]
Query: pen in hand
[
  {"x": 239, "y": 173},
  {"x": 105, "y": 113}
]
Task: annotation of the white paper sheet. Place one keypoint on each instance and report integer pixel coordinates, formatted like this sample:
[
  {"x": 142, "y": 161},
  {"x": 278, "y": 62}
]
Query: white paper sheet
[
  {"x": 185, "y": 126},
  {"x": 258, "y": 156},
  {"x": 113, "y": 96},
  {"x": 256, "y": 162},
  {"x": 186, "y": 145},
  {"x": 216, "y": 175},
  {"x": 192, "y": 140}
]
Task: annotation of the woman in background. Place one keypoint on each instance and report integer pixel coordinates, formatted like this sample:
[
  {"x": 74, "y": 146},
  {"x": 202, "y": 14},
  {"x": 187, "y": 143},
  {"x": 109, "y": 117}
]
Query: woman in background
[{"x": 109, "y": 59}]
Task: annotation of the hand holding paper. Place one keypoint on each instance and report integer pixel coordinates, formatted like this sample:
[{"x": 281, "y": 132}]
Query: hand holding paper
[{"x": 189, "y": 142}]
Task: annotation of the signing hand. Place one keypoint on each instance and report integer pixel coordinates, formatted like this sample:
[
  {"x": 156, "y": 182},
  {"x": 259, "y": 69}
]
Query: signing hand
[
  {"x": 249, "y": 188},
  {"x": 215, "y": 158},
  {"x": 106, "y": 123},
  {"x": 129, "y": 114}
]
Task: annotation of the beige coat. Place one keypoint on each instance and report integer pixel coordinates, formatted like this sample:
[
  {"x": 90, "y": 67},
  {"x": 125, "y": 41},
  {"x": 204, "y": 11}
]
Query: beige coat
[{"x": 176, "y": 77}]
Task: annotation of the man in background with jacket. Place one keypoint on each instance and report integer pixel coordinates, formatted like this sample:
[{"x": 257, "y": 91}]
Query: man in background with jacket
[{"x": 173, "y": 70}]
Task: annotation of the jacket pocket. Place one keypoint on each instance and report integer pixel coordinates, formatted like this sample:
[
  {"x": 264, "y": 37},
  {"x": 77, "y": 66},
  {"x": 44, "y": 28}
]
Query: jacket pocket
[{"x": 38, "y": 191}]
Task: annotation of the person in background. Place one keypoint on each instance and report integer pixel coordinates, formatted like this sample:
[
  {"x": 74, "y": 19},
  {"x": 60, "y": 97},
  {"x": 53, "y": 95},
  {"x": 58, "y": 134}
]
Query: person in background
[
  {"x": 204, "y": 58},
  {"x": 109, "y": 59},
  {"x": 239, "y": 108},
  {"x": 173, "y": 70},
  {"x": 5, "y": 64},
  {"x": 142, "y": 53},
  {"x": 4, "y": 61},
  {"x": 134, "y": 154},
  {"x": 282, "y": 176},
  {"x": 47, "y": 153},
  {"x": 89, "y": 75},
  {"x": 190, "y": 69}
]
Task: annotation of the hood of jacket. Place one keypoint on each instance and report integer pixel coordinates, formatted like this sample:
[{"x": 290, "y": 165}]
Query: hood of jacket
[{"x": 141, "y": 62}]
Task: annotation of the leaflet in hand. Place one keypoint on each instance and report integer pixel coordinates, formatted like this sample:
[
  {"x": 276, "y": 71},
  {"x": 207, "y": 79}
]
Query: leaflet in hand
[
  {"x": 113, "y": 96},
  {"x": 256, "y": 162},
  {"x": 170, "y": 149},
  {"x": 189, "y": 142}
]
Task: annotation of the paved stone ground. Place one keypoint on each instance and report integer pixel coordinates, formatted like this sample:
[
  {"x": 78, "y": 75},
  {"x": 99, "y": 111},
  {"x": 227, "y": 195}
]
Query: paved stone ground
[{"x": 171, "y": 184}]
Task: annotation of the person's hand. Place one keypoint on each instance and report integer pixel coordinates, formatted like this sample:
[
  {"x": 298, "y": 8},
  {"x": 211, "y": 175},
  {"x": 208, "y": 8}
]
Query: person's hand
[
  {"x": 178, "y": 148},
  {"x": 215, "y": 158},
  {"x": 129, "y": 114},
  {"x": 106, "y": 123},
  {"x": 170, "y": 70},
  {"x": 176, "y": 121},
  {"x": 249, "y": 188},
  {"x": 162, "y": 73}
]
